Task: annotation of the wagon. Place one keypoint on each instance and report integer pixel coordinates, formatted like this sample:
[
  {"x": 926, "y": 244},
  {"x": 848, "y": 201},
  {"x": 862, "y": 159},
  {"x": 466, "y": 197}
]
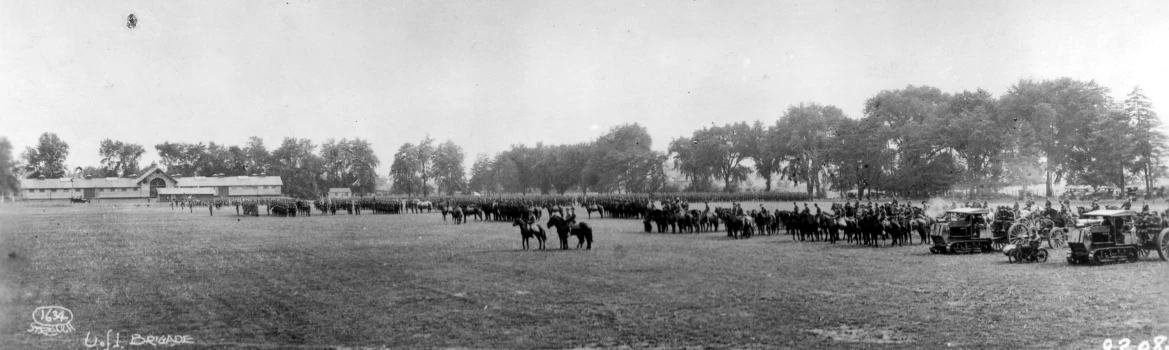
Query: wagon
[
  {"x": 963, "y": 234},
  {"x": 1119, "y": 236}
]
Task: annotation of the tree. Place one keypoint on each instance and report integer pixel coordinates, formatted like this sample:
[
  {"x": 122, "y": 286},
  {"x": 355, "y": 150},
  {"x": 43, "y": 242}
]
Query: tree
[
  {"x": 181, "y": 158},
  {"x": 767, "y": 159},
  {"x": 448, "y": 167},
  {"x": 908, "y": 121},
  {"x": 1148, "y": 141},
  {"x": 1051, "y": 116},
  {"x": 350, "y": 164},
  {"x": 47, "y": 158},
  {"x": 256, "y": 156},
  {"x": 482, "y": 177},
  {"x": 621, "y": 159},
  {"x": 424, "y": 157},
  {"x": 1110, "y": 154},
  {"x": 120, "y": 159},
  {"x": 299, "y": 167},
  {"x": 404, "y": 171},
  {"x": 9, "y": 182},
  {"x": 972, "y": 130},
  {"x": 803, "y": 138},
  {"x": 716, "y": 152}
]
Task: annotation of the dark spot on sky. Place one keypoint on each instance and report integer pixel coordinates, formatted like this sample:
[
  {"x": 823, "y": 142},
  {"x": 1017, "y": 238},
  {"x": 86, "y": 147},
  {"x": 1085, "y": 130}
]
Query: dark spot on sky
[{"x": 131, "y": 21}]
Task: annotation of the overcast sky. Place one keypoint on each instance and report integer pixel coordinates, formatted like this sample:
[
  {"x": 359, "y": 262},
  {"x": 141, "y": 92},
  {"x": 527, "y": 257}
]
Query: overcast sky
[{"x": 488, "y": 74}]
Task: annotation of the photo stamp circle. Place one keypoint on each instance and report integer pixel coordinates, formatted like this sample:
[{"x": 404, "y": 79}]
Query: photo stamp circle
[{"x": 131, "y": 21}]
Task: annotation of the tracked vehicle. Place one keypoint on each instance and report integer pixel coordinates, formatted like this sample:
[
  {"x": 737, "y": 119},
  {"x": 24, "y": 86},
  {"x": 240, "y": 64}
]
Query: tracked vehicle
[
  {"x": 963, "y": 234},
  {"x": 1116, "y": 236}
]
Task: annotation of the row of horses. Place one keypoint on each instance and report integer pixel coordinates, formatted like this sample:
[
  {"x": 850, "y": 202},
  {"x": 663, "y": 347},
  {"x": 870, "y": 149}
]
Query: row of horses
[{"x": 868, "y": 227}]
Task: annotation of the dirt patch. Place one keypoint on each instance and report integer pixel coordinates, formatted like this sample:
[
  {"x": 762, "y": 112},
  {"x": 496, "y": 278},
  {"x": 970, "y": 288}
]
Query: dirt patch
[{"x": 863, "y": 334}]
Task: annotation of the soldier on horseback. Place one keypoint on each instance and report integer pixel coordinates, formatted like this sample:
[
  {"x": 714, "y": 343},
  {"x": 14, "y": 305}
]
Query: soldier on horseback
[{"x": 1095, "y": 204}]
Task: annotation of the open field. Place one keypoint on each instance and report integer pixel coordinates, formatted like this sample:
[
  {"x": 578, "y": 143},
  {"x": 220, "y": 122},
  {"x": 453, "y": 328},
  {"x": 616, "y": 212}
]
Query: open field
[{"x": 411, "y": 281}]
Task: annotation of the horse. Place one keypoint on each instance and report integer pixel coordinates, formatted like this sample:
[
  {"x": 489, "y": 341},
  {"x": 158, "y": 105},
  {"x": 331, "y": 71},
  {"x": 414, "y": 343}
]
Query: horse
[
  {"x": 582, "y": 231},
  {"x": 921, "y": 225},
  {"x": 472, "y": 210},
  {"x": 892, "y": 228},
  {"x": 457, "y": 215},
  {"x": 591, "y": 207},
  {"x": 527, "y": 233},
  {"x": 554, "y": 209}
]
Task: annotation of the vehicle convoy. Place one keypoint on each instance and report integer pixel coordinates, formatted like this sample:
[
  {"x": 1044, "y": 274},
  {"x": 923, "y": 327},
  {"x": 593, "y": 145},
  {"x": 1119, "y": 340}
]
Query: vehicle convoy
[
  {"x": 964, "y": 233},
  {"x": 1113, "y": 236}
]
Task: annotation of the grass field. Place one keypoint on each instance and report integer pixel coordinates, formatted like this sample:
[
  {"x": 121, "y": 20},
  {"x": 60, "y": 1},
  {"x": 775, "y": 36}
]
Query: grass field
[{"x": 411, "y": 281}]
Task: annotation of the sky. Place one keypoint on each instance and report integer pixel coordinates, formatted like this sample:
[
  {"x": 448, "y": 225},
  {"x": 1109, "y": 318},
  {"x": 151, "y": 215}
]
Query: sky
[{"x": 489, "y": 74}]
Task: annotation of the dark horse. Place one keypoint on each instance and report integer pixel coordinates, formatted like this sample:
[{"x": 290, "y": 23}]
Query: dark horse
[
  {"x": 529, "y": 233},
  {"x": 582, "y": 231},
  {"x": 591, "y": 207}
]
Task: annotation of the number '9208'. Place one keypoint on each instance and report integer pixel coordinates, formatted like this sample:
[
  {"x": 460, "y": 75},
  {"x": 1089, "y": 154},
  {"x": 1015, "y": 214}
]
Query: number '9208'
[{"x": 1124, "y": 344}]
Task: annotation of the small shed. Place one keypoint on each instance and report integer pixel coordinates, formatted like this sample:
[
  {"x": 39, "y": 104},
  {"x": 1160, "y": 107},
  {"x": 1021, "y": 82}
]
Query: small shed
[{"x": 340, "y": 192}]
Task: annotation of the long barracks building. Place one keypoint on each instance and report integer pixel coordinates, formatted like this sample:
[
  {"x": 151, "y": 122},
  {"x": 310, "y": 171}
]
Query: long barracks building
[{"x": 152, "y": 183}]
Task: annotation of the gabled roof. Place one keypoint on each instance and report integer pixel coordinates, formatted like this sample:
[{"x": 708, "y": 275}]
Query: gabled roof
[
  {"x": 1111, "y": 213},
  {"x": 983, "y": 211},
  {"x": 340, "y": 190},
  {"x": 153, "y": 169}
]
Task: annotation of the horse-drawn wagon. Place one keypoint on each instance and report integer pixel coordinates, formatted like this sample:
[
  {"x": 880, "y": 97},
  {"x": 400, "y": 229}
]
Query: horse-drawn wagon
[
  {"x": 963, "y": 234},
  {"x": 1119, "y": 236}
]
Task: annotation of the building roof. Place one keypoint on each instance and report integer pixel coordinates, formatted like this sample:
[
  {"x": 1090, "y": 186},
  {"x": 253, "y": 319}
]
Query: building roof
[
  {"x": 65, "y": 182},
  {"x": 116, "y": 182},
  {"x": 340, "y": 190},
  {"x": 186, "y": 190},
  {"x": 206, "y": 181},
  {"x": 151, "y": 170}
]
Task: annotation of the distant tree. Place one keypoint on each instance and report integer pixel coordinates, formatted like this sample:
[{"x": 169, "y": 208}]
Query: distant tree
[
  {"x": 622, "y": 159},
  {"x": 119, "y": 158},
  {"x": 1051, "y": 116},
  {"x": 181, "y": 158},
  {"x": 424, "y": 159},
  {"x": 448, "y": 167},
  {"x": 47, "y": 158},
  {"x": 299, "y": 167},
  {"x": 404, "y": 171},
  {"x": 9, "y": 181},
  {"x": 256, "y": 156},
  {"x": 804, "y": 135},
  {"x": 482, "y": 176},
  {"x": 1110, "y": 157},
  {"x": 908, "y": 120},
  {"x": 1148, "y": 140},
  {"x": 350, "y": 164},
  {"x": 767, "y": 159}
]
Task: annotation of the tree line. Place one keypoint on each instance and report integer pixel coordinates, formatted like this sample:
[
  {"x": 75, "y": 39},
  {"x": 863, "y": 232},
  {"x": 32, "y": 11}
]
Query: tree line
[
  {"x": 917, "y": 141},
  {"x": 920, "y": 141},
  {"x": 306, "y": 169}
]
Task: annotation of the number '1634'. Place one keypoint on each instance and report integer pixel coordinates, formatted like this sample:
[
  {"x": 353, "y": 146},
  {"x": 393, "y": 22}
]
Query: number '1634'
[{"x": 1125, "y": 344}]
